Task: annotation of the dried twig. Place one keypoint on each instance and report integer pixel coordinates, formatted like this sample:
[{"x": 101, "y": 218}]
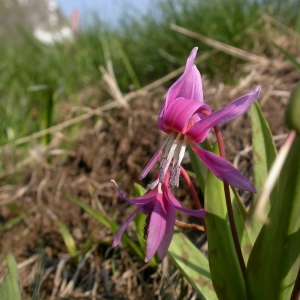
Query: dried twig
[{"x": 221, "y": 46}]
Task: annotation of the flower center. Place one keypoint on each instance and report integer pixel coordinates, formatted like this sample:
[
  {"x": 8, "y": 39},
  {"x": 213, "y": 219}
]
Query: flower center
[{"x": 173, "y": 155}]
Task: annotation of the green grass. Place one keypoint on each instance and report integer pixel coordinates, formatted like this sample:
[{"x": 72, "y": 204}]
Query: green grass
[{"x": 35, "y": 78}]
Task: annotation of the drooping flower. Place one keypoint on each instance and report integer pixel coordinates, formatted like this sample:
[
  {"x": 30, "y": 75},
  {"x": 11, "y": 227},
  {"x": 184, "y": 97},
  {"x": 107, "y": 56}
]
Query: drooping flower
[
  {"x": 160, "y": 209},
  {"x": 187, "y": 120}
]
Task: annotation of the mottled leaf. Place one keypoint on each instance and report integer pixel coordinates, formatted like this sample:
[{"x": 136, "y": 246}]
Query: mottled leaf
[{"x": 193, "y": 265}]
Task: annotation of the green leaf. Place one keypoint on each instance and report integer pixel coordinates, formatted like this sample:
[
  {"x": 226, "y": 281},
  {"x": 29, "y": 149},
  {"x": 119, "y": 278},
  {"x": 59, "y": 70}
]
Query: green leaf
[
  {"x": 264, "y": 154},
  {"x": 140, "y": 221},
  {"x": 225, "y": 270},
  {"x": 292, "y": 114},
  {"x": 140, "y": 191},
  {"x": 274, "y": 261},
  {"x": 9, "y": 287},
  {"x": 68, "y": 238},
  {"x": 193, "y": 265},
  {"x": 140, "y": 218},
  {"x": 239, "y": 212}
]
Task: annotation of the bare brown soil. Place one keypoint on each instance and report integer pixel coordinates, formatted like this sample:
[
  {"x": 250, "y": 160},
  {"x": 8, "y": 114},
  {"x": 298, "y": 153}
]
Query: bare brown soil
[{"x": 115, "y": 145}]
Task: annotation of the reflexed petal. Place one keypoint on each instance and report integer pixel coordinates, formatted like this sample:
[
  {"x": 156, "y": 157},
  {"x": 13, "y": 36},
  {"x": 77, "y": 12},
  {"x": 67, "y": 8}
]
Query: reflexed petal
[
  {"x": 170, "y": 222},
  {"x": 222, "y": 169},
  {"x": 178, "y": 114},
  {"x": 148, "y": 197},
  {"x": 123, "y": 227},
  {"x": 191, "y": 87},
  {"x": 156, "y": 229},
  {"x": 200, "y": 213},
  {"x": 199, "y": 131},
  {"x": 177, "y": 85},
  {"x": 160, "y": 120}
]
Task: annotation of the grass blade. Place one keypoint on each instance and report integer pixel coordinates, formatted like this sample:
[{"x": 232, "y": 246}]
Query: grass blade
[
  {"x": 68, "y": 238},
  {"x": 18, "y": 219},
  {"x": 9, "y": 287}
]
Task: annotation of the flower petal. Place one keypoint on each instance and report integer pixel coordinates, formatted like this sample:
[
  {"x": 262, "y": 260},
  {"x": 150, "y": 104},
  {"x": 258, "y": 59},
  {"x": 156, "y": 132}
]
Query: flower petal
[
  {"x": 189, "y": 86},
  {"x": 200, "y": 213},
  {"x": 222, "y": 169},
  {"x": 156, "y": 228},
  {"x": 198, "y": 132},
  {"x": 123, "y": 227},
  {"x": 188, "y": 78},
  {"x": 148, "y": 197},
  {"x": 178, "y": 114},
  {"x": 170, "y": 222}
]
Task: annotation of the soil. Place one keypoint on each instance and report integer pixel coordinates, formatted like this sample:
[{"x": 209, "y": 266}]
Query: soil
[{"x": 115, "y": 145}]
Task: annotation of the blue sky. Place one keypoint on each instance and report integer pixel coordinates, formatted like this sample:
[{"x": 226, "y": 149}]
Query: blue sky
[{"x": 109, "y": 10}]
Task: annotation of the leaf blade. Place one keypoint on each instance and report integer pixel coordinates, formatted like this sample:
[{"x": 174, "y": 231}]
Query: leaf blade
[
  {"x": 9, "y": 287},
  {"x": 224, "y": 266},
  {"x": 274, "y": 261},
  {"x": 264, "y": 154},
  {"x": 193, "y": 265}
]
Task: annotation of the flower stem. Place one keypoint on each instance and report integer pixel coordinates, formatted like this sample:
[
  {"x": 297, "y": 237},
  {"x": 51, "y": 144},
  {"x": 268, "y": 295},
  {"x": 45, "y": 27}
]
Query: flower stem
[
  {"x": 229, "y": 206},
  {"x": 193, "y": 191}
]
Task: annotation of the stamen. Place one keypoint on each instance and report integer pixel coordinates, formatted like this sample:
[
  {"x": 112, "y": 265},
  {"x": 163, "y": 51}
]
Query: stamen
[
  {"x": 153, "y": 185},
  {"x": 173, "y": 147},
  {"x": 182, "y": 150},
  {"x": 156, "y": 156},
  {"x": 165, "y": 162},
  {"x": 177, "y": 152},
  {"x": 166, "y": 141},
  {"x": 162, "y": 169},
  {"x": 174, "y": 177},
  {"x": 159, "y": 188},
  {"x": 179, "y": 155},
  {"x": 169, "y": 144}
]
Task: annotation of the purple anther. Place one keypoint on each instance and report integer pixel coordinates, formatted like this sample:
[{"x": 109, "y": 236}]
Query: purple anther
[
  {"x": 164, "y": 164},
  {"x": 174, "y": 177}
]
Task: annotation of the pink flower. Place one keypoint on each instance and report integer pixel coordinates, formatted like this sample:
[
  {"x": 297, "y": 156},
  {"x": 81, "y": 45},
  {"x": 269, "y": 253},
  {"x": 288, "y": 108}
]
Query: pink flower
[
  {"x": 184, "y": 117},
  {"x": 160, "y": 208}
]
